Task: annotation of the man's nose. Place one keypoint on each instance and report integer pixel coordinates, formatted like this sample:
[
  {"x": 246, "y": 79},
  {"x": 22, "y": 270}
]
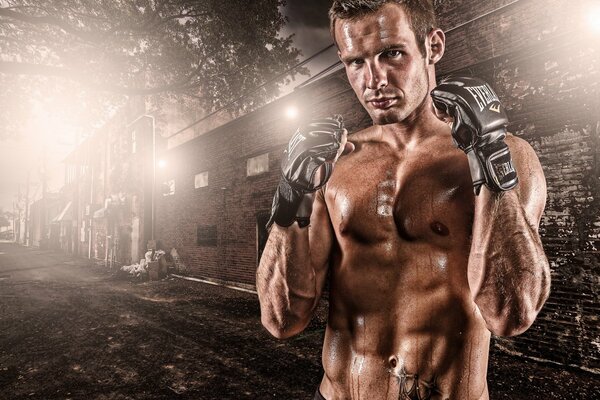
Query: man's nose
[{"x": 376, "y": 76}]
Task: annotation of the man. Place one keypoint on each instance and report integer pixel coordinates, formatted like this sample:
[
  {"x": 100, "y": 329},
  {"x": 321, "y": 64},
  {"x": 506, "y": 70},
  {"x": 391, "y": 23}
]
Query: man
[{"x": 422, "y": 267}]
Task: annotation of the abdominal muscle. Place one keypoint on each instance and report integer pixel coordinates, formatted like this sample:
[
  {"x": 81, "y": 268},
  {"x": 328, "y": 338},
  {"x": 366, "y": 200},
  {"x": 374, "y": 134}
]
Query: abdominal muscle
[{"x": 392, "y": 330}]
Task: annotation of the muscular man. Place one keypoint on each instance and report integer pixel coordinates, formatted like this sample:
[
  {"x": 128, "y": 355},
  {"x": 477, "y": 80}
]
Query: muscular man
[{"x": 422, "y": 268}]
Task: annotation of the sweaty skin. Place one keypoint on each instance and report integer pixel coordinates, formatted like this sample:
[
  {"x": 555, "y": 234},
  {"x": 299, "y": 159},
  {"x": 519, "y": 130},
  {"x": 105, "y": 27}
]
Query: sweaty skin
[{"x": 421, "y": 271}]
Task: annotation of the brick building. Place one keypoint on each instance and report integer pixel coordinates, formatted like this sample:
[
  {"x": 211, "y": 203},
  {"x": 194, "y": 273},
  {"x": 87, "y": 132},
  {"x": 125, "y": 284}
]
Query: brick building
[
  {"x": 544, "y": 63},
  {"x": 43, "y": 230},
  {"x": 108, "y": 191}
]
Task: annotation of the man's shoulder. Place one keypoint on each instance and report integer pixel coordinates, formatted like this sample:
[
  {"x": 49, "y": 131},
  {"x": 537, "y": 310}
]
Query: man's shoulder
[{"x": 364, "y": 135}]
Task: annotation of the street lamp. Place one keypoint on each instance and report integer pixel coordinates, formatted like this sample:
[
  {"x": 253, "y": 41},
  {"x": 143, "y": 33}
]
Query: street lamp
[
  {"x": 291, "y": 112},
  {"x": 592, "y": 16}
]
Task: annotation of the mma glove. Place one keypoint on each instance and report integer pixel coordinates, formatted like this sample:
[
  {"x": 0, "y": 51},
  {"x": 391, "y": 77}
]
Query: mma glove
[
  {"x": 312, "y": 146},
  {"x": 479, "y": 130}
]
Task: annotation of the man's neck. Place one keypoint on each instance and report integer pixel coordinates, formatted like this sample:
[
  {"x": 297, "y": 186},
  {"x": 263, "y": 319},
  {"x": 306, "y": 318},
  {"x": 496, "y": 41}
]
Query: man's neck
[{"x": 417, "y": 127}]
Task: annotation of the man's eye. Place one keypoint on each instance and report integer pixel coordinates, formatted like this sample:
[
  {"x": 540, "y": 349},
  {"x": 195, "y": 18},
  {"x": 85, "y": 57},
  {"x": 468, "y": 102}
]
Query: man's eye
[
  {"x": 392, "y": 53},
  {"x": 357, "y": 62}
]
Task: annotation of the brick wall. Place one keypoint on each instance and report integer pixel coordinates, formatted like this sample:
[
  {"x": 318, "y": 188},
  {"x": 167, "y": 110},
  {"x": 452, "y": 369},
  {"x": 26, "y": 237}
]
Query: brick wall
[
  {"x": 232, "y": 200},
  {"x": 545, "y": 67},
  {"x": 544, "y": 64}
]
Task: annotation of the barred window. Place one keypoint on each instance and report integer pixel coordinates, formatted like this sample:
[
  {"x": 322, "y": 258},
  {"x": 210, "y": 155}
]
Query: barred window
[{"x": 206, "y": 235}]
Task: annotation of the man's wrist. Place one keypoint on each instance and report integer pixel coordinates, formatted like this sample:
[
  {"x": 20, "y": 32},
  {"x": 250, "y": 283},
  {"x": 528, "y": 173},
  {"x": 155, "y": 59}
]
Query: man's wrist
[
  {"x": 290, "y": 205},
  {"x": 305, "y": 209},
  {"x": 496, "y": 163}
]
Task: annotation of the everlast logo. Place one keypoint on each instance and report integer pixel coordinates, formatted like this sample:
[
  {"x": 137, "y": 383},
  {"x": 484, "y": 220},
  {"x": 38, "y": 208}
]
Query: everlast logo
[
  {"x": 495, "y": 107},
  {"x": 503, "y": 169},
  {"x": 484, "y": 96}
]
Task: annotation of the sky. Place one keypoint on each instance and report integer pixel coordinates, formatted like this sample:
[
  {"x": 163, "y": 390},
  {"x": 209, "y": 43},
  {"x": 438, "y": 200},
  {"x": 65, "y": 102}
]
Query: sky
[
  {"x": 42, "y": 148},
  {"x": 308, "y": 21}
]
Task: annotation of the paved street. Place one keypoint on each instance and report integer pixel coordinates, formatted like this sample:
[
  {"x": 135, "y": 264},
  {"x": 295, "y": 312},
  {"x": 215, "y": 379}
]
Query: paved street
[{"x": 69, "y": 330}]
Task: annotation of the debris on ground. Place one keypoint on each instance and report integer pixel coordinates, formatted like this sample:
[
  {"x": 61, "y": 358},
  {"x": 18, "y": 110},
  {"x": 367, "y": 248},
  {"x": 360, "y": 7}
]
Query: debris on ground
[{"x": 144, "y": 270}]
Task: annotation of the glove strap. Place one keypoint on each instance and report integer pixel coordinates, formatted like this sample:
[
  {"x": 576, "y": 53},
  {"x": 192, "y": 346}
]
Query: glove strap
[
  {"x": 477, "y": 174},
  {"x": 496, "y": 164}
]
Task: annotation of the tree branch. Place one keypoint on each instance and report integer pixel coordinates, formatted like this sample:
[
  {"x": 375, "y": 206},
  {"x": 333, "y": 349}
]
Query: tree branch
[
  {"x": 50, "y": 20},
  {"x": 20, "y": 68}
]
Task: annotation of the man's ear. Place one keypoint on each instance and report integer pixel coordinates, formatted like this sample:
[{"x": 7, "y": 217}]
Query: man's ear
[{"x": 436, "y": 40}]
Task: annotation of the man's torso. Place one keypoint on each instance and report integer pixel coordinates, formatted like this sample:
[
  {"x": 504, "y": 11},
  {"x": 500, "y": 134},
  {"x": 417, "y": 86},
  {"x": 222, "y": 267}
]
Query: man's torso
[{"x": 401, "y": 314}]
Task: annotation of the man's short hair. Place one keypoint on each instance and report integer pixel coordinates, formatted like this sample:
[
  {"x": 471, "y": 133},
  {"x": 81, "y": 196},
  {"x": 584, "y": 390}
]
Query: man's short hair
[{"x": 421, "y": 15}]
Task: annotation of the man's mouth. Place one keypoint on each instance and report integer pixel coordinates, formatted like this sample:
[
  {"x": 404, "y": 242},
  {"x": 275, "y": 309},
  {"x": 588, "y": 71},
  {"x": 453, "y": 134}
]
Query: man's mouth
[{"x": 383, "y": 102}]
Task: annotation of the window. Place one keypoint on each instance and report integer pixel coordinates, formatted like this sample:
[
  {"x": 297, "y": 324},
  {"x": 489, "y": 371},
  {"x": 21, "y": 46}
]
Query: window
[
  {"x": 206, "y": 235},
  {"x": 201, "y": 180},
  {"x": 257, "y": 165},
  {"x": 169, "y": 188}
]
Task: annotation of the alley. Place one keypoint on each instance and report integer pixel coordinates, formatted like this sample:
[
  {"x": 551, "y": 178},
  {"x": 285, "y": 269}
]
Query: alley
[{"x": 70, "y": 330}]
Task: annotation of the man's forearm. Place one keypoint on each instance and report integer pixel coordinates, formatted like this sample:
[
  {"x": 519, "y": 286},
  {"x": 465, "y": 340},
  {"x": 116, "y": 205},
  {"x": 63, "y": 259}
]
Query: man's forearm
[
  {"x": 286, "y": 281},
  {"x": 508, "y": 272},
  {"x": 292, "y": 269}
]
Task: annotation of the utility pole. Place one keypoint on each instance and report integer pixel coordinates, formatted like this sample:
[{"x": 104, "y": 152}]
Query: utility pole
[
  {"x": 19, "y": 209},
  {"x": 14, "y": 226},
  {"x": 43, "y": 211},
  {"x": 26, "y": 236},
  {"x": 17, "y": 223},
  {"x": 91, "y": 213},
  {"x": 153, "y": 177},
  {"x": 76, "y": 198}
]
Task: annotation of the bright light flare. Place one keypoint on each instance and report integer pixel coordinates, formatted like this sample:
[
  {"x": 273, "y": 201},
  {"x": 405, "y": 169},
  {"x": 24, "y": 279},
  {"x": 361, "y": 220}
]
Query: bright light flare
[
  {"x": 162, "y": 164},
  {"x": 291, "y": 112},
  {"x": 592, "y": 17}
]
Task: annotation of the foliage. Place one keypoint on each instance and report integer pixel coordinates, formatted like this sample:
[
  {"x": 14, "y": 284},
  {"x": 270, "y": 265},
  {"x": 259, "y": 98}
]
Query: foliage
[
  {"x": 5, "y": 218},
  {"x": 209, "y": 51}
]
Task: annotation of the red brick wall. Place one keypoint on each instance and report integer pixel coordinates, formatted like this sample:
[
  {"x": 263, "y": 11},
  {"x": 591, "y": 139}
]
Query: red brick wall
[
  {"x": 545, "y": 67},
  {"x": 232, "y": 200}
]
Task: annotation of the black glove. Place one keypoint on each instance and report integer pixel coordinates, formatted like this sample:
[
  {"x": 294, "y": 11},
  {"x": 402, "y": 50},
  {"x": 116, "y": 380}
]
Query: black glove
[
  {"x": 479, "y": 130},
  {"x": 310, "y": 147}
]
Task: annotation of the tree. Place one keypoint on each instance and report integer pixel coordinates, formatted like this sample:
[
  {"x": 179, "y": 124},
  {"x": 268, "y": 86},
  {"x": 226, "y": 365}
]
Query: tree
[
  {"x": 211, "y": 51},
  {"x": 5, "y": 218}
]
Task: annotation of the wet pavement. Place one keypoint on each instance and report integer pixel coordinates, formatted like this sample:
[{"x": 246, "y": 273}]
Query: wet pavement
[{"x": 71, "y": 330}]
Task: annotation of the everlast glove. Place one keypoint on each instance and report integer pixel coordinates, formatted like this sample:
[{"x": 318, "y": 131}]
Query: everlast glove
[
  {"x": 479, "y": 130},
  {"x": 310, "y": 147}
]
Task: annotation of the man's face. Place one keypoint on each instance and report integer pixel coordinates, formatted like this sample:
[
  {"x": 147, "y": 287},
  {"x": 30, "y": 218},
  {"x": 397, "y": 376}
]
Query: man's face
[{"x": 384, "y": 65}]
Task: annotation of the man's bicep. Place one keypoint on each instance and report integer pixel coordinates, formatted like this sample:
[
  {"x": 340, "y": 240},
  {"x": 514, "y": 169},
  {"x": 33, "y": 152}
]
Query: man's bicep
[
  {"x": 320, "y": 236},
  {"x": 532, "y": 182}
]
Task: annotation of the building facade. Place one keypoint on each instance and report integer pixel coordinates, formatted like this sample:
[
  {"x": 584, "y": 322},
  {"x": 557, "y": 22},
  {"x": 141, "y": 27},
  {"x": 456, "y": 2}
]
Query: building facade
[
  {"x": 43, "y": 230},
  {"x": 107, "y": 213}
]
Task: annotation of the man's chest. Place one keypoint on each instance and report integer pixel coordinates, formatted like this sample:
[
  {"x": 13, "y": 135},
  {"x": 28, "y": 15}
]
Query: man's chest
[{"x": 421, "y": 197}]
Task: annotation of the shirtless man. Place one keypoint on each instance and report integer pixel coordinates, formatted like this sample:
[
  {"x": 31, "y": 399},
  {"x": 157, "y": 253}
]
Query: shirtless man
[{"x": 422, "y": 269}]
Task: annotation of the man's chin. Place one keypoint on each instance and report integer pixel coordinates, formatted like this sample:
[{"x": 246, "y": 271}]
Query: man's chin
[{"x": 385, "y": 117}]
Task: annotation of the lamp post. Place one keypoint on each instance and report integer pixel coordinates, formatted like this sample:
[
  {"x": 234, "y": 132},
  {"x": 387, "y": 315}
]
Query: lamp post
[{"x": 153, "y": 195}]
